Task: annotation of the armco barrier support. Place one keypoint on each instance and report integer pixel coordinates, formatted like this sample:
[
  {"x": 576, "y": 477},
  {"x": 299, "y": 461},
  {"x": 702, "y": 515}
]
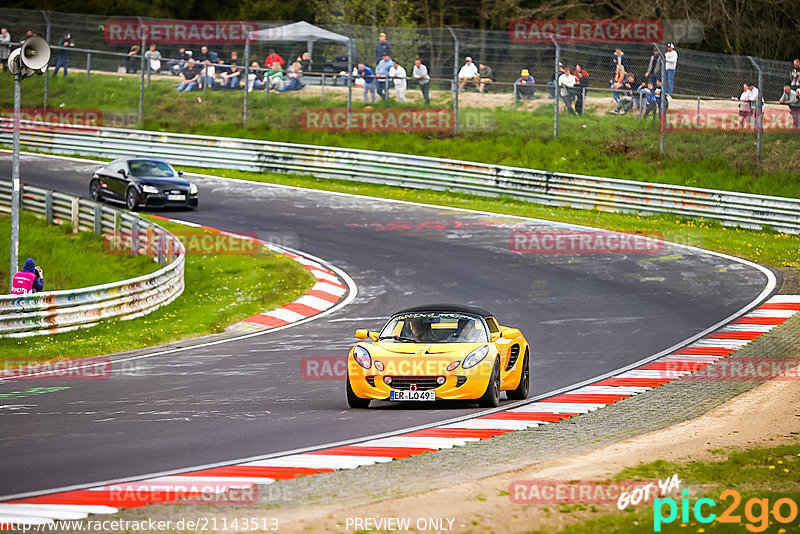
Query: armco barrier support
[
  {"x": 51, "y": 312},
  {"x": 557, "y": 189}
]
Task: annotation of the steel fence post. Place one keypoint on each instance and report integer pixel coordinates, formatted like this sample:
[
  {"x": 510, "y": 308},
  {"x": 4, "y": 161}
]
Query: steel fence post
[
  {"x": 89, "y": 67},
  {"x": 515, "y": 97},
  {"x": 556, "y": 88},
  {"x": 322, "y": 96},
  {"x": 48, "y": 207},
  {"x": 455, "y": 79},
  {"x": 75, "y": 215},
  {"x": 134, "y": 237},
  {"x": 16, "y": 185},
  {"x": 141, "y": 79},
  {"x": 246, "y": 76},
  {"x": 98, "y": 219},
  {"x": 759, "y": 112},
  {"x": 663, "y": 114},
  {"x": 47, "y": 70},
  {"x": 583, "y": 101},
  {"x": 350, "y": 49}
]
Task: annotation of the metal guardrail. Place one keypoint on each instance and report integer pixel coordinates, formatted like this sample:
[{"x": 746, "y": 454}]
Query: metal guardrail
[
  {"x": 51, "y": 312},
  {"x": 550, "y": 188}
]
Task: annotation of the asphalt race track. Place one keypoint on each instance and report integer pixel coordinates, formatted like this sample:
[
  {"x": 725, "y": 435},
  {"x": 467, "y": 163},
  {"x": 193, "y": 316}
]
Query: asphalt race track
[{"x": 583, "y": 314}]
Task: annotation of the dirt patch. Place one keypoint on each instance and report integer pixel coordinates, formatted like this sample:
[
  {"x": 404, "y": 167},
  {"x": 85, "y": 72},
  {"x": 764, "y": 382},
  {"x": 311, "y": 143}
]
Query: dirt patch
[{"x": 771, "y": 412}]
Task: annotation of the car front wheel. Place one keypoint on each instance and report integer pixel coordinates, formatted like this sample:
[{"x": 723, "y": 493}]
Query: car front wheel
[
  {"x": 131, "y": 199},
  {"x": 353, "y": 400}
]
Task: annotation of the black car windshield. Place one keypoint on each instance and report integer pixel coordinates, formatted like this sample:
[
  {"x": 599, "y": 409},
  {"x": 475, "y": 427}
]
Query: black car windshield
[
  {"x": 149, "y": 168},
  {"x": 435, "y": 328}
]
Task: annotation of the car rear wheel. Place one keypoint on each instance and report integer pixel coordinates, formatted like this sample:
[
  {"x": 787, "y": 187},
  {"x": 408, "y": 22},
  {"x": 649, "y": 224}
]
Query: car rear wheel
[
  {"x": 521, "y": 391},
  {"x": 95, "y": 191},
  {"x": 491, "y": 397},
  {"x": 353, "y": 400},
  {"x": 131, "y": 199}
]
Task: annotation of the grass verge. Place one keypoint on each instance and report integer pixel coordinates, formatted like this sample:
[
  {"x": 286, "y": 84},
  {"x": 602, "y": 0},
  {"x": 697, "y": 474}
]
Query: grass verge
[
  {"x": 761, "y": 476},
  {"x": 600, "y": 144},
  {"x": 63, "y": 256},
  {"x": 221, "y": 289}
]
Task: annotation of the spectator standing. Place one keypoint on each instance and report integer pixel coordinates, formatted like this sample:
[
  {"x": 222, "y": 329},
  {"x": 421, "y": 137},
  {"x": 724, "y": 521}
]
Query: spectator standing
[
  {"x": 567, "y": 82},
  {"x": 176, "y": 64},
  {"x": 582, "y": 75},
  {"x": 62, "y": 59},
  {"x": 273, "y": 58},
  {"x": 420, "y": 72},
  {"x": 29, "y": 280},
  {"x": 791, "y": 98},
  {"x": 190, "y": 76},
  {"x": 551, "y": 85},
  {"x": 653, "y": 67},
  {"x": 670, "y": 62},
  {"x": 5, "y": 49},
  {"x": 383, "y": 47},
  {"x": 485, "y": 76},
  {"x": 295, "y": 79},
  {"x": 794, "y": 75},
  {"x": 398, "y": 74},
  {"x": 369, "y": 81},
  {"x": 468, "y": 73},
  {"x": 153, "y": 58},
  {"x": 747, "y": 104},
  {"x": 525, "y": 84},
  {"x": 382, "y": 75}
]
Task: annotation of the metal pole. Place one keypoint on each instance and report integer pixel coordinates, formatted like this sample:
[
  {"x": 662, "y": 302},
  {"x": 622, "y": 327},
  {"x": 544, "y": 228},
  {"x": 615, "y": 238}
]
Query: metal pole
[
  {"x": 88, "y": 64},
  {"x": 455, "y": 80},
  {"x": 515, "y": 97},
  {"x": 322, "y": 96},
  {"x": 47, "y": 71},
  {"x": 583, "y": 102},
  {"x": 141, "y": 81},
  {"x": 15, "y": 183},
  {"x": 350, "y": 48},
  {"x": 556, "y": 88},
  {"x": 698, "y": 110},
  {"x": 758, "y": 114},
  {"x": 663, "y": 115},
  {"x": 246, "y": 77}
]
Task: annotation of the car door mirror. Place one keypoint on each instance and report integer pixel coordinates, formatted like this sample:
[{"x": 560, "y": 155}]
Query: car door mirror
[
  {"x": 495, "y": 336},
  {"x": 180, "y": 172},
  {"x": 366, "y": 334},
  {"x": 123, "y": 173},
  {"x": 510, "y": 332}
]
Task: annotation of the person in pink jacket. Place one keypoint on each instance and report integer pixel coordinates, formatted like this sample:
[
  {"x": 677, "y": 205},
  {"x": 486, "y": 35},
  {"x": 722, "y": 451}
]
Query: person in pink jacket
[{"x": 28, "y": 280}]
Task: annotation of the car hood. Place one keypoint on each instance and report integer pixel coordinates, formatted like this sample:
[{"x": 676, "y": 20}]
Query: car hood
[
  {"x": 421, "y": 350},
  {"x": 164, "y": 182}
]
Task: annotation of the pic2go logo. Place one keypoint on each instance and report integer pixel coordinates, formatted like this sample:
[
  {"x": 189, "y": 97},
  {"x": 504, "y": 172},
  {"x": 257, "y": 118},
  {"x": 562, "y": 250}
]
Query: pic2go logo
[{"x": 757, "y": 511}]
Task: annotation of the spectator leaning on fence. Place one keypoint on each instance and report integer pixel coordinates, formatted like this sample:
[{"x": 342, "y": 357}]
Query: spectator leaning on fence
[
  {"x": 794, "y": 75},
  {"x": 567, "y": 82},
  {"x": 420, "y": 72},
  {"x": 525, "y": 84},
  {"x": 366, "y": 74},
  {"x": 383, "y": 47},
  {"x": 398, "y": 74},
  {"x": 29, "y": 280},
  {"x": 791, "y": 98},
  {"x": 190, "y": 76},
  {"x": 582, "y": 75},
  {"x": 468, "y": 73},
  {"x": 670, "y": 62},
  {"x": 62, "y": 59},
  {"x": 485, "y": 76},
  {"x": 382, "y": 75},
  {"x": 748, "y": 102},
  {"x": 5, "y": 49}
]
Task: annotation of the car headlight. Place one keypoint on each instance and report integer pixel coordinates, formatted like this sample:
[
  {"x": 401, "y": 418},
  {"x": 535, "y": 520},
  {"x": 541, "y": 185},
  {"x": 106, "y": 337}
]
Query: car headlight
[
  {"x": 192, "y": 189},
  {"x": 151, "y": 189},
  {"x": 362, "y": 357},
  {"x": 475, "y": 357}
]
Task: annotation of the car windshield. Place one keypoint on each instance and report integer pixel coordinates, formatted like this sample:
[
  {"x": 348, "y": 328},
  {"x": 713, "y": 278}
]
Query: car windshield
[
  {"x": 151, "y": 168},
  {"x": 435, "y": 328}
]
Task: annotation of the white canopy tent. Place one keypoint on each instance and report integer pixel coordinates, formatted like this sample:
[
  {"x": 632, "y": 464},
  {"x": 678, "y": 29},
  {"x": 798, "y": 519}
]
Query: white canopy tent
[{"x": 300, "y": 32}]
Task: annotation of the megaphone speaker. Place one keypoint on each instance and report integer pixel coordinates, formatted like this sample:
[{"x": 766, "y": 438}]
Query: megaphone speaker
[
  {"x": 14, "y": 64},
  {"x": 35, "y": 54}
]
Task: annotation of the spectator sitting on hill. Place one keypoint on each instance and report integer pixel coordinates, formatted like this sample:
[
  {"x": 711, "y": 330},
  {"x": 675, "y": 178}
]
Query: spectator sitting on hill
[
  {"x": 626, "y": 102},
  {"x": 295, "y": 79},
  {"x": 153, "y": 58},
  {"x": 203, "y": 55},
  {"x": 275, "y": 77},
  {"x": 176, "y": 64},
  {"x": 794, "y": 75},
  {"x": 254, "y": 81},
  {"x": 305, "y": 62},
  {"x": 567, "y": 81},
  {"x": 468, "y": 73},
  {"x": 232, "y": 77},
  {"x": 273, "y": 58},
  {"x": 190, "y": 76},
  {"x": 651, "y": 100},
  {"x": 524, "y": 84},
  {"x": 485, "y": 75},
  {"x": 131, "y": 61},
  {"x": 29, "y": 280}
]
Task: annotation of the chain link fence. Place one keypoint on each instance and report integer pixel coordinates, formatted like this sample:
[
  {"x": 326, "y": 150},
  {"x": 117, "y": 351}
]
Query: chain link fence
[{"x": 703, "y": 108}]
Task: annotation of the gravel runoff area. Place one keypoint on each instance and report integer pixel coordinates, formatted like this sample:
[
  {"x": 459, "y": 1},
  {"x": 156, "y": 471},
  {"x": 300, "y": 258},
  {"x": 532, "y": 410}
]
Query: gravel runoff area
[{"x": 313, "y": 499}]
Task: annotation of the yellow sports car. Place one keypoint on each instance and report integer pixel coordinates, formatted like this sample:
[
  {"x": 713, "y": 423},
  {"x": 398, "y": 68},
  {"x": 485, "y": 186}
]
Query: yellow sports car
[{"x": 439, "y": 351}]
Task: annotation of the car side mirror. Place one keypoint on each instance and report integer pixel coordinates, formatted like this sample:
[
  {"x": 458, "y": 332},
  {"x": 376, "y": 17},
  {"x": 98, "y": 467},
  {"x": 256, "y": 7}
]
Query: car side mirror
[
  {"x": 495, "y": 336},
  {"x": 180, "y": 172},
  {"x": 123, "y": 173},
  {"x": 366, "y": 334},
  {"x": 510, "y": 332}
]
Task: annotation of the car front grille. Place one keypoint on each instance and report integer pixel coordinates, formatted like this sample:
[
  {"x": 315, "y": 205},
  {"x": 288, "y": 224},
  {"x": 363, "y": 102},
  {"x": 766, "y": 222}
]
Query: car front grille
[
  {"x": 460, "y": 381},
  {"x": 371, "y": 381},
  {"x": 423, "y": 383}
]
